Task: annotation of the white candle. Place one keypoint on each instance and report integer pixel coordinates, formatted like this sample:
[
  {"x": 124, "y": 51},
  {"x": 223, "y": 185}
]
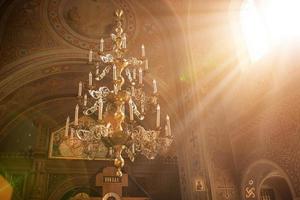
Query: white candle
[
  {"x": 132, "y": 91},
  {"x": 142, "y": 107},
  {"x": 166, "y": 130},
  {"x": 97, "y": 68},
  {"x": 80, "y": 89},
  {"x": 140, "y": 76},
  {"x": 158, "y": 116},
  {"x": 114, "y": 72},
  {"x": 133, "y": 148},
  {"x": 72, "y": 133},
  {"x": 85, "y": 100},
  {"x": 76, "y": 115},
  {"x": 100, "y": 109},
  {"x": 90, "y": 79},
  {"x": 134, "y": 73},
  {"x": 67, "y": 127},
  {"x": 91, "y": 56},
  {"x": 143, "y": 51},
  {"x": 101, "y": 45},
  {"x": 130, "y": 109},
  {"x": 124, "y": 41},
  {"x": 146, "y": 64},
  {"x": 154, "y": 87},
  {"x": 168, "y": 133}
]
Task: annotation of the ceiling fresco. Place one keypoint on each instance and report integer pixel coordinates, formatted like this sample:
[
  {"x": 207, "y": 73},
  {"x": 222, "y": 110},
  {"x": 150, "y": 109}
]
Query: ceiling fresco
[{"x": 83, "y": 22}]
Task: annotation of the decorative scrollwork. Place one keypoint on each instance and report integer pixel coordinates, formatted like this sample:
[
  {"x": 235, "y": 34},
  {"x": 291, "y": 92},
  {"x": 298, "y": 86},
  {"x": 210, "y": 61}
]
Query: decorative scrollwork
[{"x": 103, "y": 73}]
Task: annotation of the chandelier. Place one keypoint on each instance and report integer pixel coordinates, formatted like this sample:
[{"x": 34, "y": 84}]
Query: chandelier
[{"x": 115, "y": 104}]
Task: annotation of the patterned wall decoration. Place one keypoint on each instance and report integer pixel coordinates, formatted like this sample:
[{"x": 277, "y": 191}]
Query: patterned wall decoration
[
  {"x": 273, "y": 133},
  {"x": 221, "y": 166},
  {"x": 250, "y": 190},
  {"x": 83, "y": 22},
  {"x": 24, "y": 33}
]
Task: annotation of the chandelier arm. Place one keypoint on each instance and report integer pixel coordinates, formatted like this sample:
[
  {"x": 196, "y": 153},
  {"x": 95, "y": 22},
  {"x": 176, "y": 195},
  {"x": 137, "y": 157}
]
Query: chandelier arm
[
  {"x": 134, "y": 61},
  {"x": 128, "y": 74},
  {"x": 136, "y": 112},
  {"x": 103, "y": 73},
  {"x": 92, "y": 109},
  {"x": 102, "y": 92},
  {"x": 84, "y": 132},
  {"x": 108, "y": 58}
]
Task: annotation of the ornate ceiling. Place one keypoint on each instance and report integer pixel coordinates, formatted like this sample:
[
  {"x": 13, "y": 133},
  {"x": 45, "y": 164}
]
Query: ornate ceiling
[{"x": 44, "y": 46}]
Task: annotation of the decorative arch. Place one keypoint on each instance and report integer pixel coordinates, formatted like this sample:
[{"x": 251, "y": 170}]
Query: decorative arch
[
  {"x": 67, "y": 185},
  {"x": 255, "y": 175}
]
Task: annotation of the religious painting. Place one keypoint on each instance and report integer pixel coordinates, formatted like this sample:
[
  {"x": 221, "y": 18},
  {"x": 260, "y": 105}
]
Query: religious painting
[
  {"x": 68, "y": 146},
  {"x": 199, "y": 185}
]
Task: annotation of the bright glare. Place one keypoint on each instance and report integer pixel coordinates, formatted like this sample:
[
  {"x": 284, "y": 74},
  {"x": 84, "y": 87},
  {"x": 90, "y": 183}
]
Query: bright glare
[
  {"x": 269, "y": 24},
  {"x": 282, "y": 19}
]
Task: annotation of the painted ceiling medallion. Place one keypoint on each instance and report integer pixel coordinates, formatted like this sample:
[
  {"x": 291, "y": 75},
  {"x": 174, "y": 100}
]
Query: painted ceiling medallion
[{"x": 83, "y": 22}]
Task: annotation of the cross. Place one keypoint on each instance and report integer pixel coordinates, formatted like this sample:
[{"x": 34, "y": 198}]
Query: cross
[{"x": 226, "y": 189}]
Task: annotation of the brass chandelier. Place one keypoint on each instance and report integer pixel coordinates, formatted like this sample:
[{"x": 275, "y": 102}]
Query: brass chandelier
[{"x": 115, "y": 108}]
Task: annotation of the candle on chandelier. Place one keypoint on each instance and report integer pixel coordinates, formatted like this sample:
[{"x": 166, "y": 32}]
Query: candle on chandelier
[
  {"x": 90, "y": 79},
  {"x": 132, "y": 91},
  {"x": 100, "y": 109},
  {"x": 67, "y": 127},
  {"x": 80, "y": 89},
  {"x": 101, "y": 45},
  {"x": 133, "y": 148},
  {"x": 134, "y": 73},
  {"x": 91, "y": 56},
  {"x": 157, "y": 116},
  {"x": 85, "y": 100},
  {"x": 130, "y": 109},
  {"x": 72, "y": 133},
  {"x": 114, "y": 72},
  {"x": 124, "y": 41},
  {"x": 140, "y": 76},
  {"x": 97, "y": 68},
  {"x": 143, "y": 51},
  {"x": 76, "y": 115},
  {"x": 142, "y": 107},
  {"x": 146, "y": 64},
  {"x": 166, "y": 130},
  {"x": 168, "y": 133},
  {"x": 154, "y": 87}
]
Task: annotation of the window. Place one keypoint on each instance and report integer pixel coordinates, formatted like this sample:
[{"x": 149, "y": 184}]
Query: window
[{"x": 266, "y": 24}]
